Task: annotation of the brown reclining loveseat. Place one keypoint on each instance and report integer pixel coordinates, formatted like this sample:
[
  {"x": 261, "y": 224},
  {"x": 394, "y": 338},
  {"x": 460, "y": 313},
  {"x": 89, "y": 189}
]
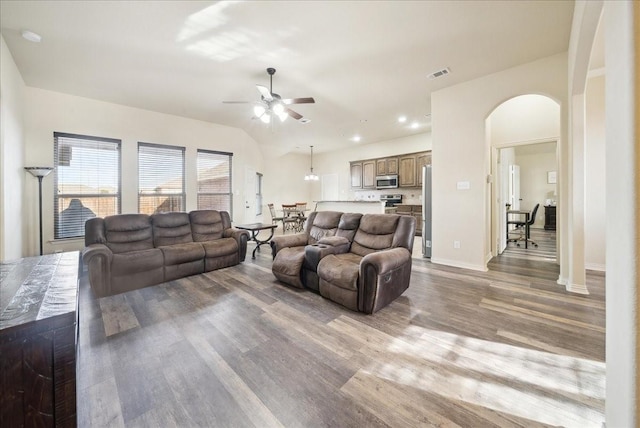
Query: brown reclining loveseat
[
  {"x": 129, "y": 251},
  {"x": 362, "y": 262}
]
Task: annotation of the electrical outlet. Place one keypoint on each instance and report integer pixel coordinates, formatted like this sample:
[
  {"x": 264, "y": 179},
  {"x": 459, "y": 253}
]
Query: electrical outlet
[{"x": 456, "y": 244}]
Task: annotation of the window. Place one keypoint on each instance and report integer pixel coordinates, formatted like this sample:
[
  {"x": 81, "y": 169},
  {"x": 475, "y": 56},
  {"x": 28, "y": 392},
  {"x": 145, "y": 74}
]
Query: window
[
  {"x": 258, "y": 194},
  {"x": 160, "y": 178},
  {"x": 86, "y": 181},
  {"x": 214, "y": 181}
]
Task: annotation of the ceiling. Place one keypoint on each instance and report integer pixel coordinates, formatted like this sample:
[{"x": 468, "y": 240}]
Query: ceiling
[{"x": 365, "y": 63}]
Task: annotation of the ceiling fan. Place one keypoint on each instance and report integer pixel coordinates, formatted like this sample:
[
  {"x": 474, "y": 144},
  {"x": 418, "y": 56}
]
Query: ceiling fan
[{"x": 272, "y": 104}]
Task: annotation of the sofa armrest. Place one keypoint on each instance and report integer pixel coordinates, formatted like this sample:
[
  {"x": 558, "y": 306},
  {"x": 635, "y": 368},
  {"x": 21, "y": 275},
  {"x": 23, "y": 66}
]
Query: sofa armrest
[
  {"x": 241, "y": 236},
  {"x": 277, "y": 243},
  {"x": 384, "y": 276},
  {"x": 98, "y": 258},
  {"x": 316, "y": 252}
]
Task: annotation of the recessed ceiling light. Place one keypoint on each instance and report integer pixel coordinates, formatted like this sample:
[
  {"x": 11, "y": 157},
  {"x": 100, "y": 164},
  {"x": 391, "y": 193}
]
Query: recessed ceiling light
[
  {"x": 31, "y": 36},
  {"x": 414, "y": 125},
  {"x": 356, "y": 138},
  {"x": 402, "y": 119}
]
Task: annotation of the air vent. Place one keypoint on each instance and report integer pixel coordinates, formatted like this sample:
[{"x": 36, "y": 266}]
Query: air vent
[{"x": 439, "y": 73}]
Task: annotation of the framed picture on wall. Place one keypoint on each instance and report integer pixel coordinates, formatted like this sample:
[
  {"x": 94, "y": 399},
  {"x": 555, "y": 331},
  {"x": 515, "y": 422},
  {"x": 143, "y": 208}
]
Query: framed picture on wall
[{"x": 551, "y": 177}]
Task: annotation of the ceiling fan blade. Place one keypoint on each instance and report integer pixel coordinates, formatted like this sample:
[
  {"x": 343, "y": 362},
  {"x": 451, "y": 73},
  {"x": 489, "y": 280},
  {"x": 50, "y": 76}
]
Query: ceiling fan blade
[
  {"x": 293, "y": 114},
  {"x": 308, "y": 100},
  {"x": 265, "y": 92},
  {"x": 235, "y": 102}
]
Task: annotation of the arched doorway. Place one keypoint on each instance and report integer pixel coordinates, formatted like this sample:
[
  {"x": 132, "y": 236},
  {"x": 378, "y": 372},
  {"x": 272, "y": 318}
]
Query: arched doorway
[{"x": 523, "y": 133}]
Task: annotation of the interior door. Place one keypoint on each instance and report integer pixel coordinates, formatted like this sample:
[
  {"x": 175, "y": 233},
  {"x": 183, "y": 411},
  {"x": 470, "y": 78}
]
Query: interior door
[
  {"x": 249, "y": 195},
  {"x": 514, "y": 187}
]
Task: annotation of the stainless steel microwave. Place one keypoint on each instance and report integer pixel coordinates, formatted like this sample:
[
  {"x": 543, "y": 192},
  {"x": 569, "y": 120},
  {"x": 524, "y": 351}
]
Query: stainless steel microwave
[{"x": 386, "y": 181}]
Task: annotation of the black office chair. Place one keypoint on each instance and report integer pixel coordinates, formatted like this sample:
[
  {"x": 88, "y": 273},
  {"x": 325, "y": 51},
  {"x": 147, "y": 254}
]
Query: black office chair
[{"x": 522, "y": 227}]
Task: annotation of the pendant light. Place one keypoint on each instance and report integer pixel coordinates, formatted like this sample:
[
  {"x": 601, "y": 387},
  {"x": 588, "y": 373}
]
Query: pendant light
[{"x": 311, "y": 176}]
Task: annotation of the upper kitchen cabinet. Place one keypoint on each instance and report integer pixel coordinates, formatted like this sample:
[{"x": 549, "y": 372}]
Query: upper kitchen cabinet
[
  {"x": 407, "y": 171},
  {"x": 387, "y": 166},
  {"x": 356, "y": 175},
  {"x": 422, "y": 159},
  {"x": 369, "y": 174}
]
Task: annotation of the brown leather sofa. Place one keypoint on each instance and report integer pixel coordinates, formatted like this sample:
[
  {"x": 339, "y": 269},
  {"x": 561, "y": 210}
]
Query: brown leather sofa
[
  {"x": 130, "y": 251},
  {"x": 362, "y": 262}
]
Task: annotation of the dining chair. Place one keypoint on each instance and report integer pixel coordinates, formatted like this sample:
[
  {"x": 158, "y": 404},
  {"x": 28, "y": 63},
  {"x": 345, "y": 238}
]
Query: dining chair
[
  {"x": 301, "y": 207},
  {"x": 290, "y": 218},
  {"x": 274, "y": 217}
]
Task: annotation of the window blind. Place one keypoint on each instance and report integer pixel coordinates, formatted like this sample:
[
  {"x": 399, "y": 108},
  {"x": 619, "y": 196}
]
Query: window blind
[
  {"x": 86, "y": 181},
  {"x": 214, "y": 181},
  {"x": 160, "y": 178}
]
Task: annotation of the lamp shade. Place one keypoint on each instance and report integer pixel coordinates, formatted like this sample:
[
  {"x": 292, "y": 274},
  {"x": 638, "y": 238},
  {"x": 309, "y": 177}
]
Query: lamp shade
[{"x": 39, "y": 171}]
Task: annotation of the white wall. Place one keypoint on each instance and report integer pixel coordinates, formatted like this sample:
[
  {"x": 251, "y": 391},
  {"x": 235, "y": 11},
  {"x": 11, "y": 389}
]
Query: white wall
[
  {"x": 595, "y": 177},
  {"x": 284, "y": 181},
  {"x": 535, "y": 161},
  {"x": 622, "y": 195},
  {"x": 529, "y": 117},
  {"x": 461, "y": 153},
  {"x": 12, "y": 173},
  {"x": 48, "y": 112}
]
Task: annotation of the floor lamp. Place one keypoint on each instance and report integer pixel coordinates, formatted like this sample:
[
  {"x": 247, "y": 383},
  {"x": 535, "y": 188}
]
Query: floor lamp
[{"x": 39, "y": 172}]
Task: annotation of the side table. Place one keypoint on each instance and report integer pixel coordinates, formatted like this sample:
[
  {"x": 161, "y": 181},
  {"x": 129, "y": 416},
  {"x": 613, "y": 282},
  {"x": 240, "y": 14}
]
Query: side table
[
  {"x": 255, "y": 229},
  {"x": 38, "y": 338}
]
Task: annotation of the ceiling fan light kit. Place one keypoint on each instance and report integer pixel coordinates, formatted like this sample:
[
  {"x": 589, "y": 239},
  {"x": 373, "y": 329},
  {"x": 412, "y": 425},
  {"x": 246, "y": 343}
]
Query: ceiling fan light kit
[{"x": 272, "y": 104}]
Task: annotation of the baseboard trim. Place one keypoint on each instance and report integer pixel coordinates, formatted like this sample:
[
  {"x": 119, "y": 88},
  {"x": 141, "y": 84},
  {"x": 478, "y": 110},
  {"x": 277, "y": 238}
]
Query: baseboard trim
[
  {"x": 596, "y": 266},
  {"x": 577, "y": 288},
  {"x": 458, "y": 264}
]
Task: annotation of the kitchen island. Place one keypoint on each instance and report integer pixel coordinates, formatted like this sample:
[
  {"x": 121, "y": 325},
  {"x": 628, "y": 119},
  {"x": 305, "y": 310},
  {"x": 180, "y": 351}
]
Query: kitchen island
[{"x": 363, "y": 207}]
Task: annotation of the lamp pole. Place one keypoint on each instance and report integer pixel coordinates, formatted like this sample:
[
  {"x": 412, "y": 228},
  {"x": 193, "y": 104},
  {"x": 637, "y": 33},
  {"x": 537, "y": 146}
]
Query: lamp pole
[{"x": 39, "y": 172}]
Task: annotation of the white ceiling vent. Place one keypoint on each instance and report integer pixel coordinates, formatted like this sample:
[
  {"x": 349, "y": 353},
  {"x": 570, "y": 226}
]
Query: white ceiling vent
[{"x": 439, "y": 73}]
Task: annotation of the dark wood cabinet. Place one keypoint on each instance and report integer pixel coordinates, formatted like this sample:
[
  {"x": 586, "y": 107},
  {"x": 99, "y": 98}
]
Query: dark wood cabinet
[
  {"x": 412, "y": 210},
  {"x": 38, "y": 332},
  {"x": 549, "y": 217}
]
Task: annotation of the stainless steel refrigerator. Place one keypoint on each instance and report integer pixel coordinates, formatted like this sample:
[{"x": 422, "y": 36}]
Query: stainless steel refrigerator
[{"x": 426, "y": 211}]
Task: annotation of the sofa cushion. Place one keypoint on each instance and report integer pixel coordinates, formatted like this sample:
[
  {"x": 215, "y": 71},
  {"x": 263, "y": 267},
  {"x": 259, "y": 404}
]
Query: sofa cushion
[
  {"x": 323, "y": 223},
  {"x": 288, "y": 264},
  {"x": 220, "y": 247},
  {"x": 182, "y": 253},
  {"x": 128, "y": 232},
  {"x": 341, "y": 270},
  {"x": 171, "y": 228},
  {"x": 375, "y": 233},
  {"x": 136, "y": 261},
  {"x": 207, "y": 225},
  {"x": 348, "y": 225}
]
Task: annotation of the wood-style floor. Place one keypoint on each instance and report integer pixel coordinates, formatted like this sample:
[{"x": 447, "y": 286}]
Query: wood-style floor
[{"x": 235, "y": 348}]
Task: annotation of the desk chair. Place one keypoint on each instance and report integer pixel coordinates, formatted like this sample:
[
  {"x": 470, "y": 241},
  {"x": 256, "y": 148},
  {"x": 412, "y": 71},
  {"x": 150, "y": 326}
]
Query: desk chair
[
  {"x": 525, "y": 228},
  {"x": 274, "y": 217}
]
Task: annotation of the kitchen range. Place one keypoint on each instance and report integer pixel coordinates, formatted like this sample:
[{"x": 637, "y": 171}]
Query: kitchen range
[{"x": 390, "y": 201}]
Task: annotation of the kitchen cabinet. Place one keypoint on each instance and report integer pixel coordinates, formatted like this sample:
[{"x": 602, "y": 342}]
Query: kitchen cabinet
[
  {"x": 414, "y": 211},
  {"x": 369, "y": 174},
  {"x": 408, "y": 167},
  {"x": 356, "y": 175},
  {"x": 407, "y": 171},
  {"x": 387, "y": 166},
  {"x": 422, "y": 159}
]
